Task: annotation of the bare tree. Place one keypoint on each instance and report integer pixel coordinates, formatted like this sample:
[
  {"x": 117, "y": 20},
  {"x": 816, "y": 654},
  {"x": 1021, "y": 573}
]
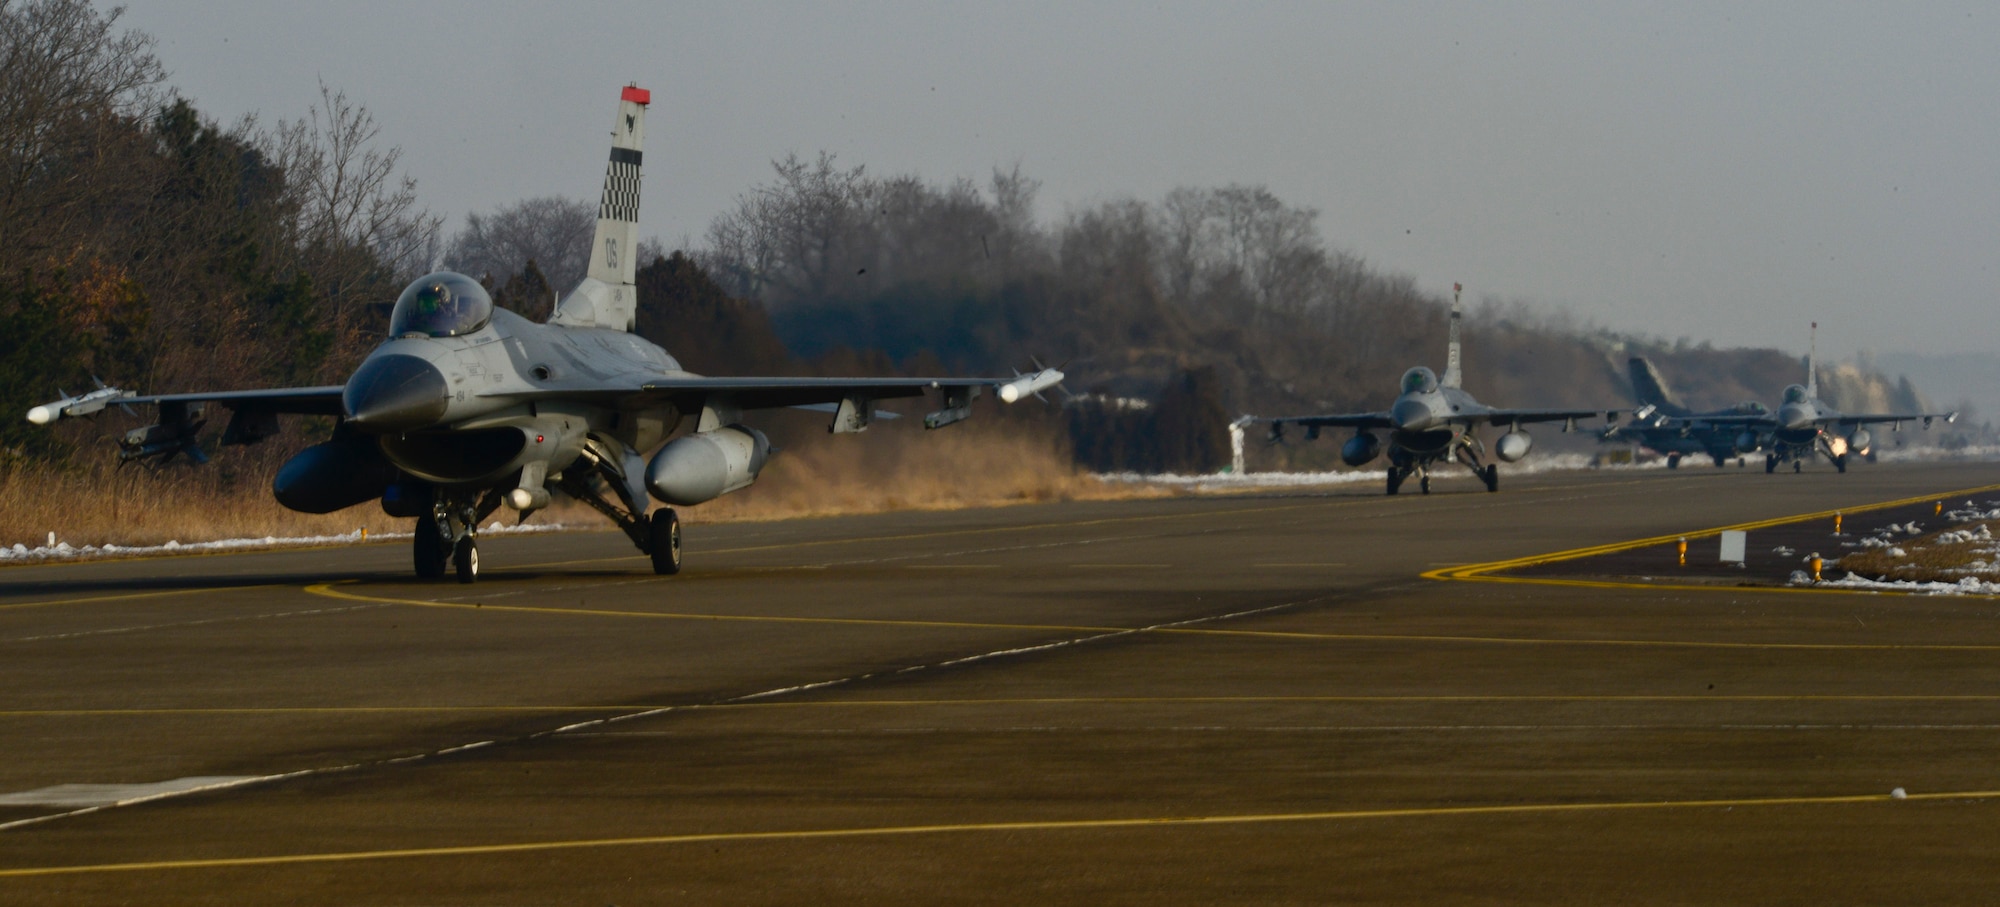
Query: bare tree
[
  {"x": 551, "y": 231},
  {"x": 67, "y": 76},
  {"x": 356, "y": 211}
]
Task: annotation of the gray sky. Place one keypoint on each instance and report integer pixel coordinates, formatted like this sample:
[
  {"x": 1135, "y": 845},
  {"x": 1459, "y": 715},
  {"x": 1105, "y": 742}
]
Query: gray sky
[{"x": 1722, "y": 171}]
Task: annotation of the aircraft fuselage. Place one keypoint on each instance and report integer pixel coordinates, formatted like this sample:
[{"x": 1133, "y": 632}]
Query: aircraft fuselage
[{"x": 469, "y": 410}]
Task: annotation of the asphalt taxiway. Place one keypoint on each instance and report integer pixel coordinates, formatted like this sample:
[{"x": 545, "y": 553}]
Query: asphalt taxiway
[{"x": 1187, "y": 700}]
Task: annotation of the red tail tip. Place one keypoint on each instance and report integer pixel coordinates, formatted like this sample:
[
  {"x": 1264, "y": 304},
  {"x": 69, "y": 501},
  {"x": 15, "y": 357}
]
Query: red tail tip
[{"x": 637, "y": 95}]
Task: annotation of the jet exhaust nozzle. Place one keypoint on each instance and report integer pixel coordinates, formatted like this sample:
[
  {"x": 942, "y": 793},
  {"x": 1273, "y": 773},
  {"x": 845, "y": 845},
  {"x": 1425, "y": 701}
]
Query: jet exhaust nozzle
[
  {"x": 395, "y": 393},
  {"x": 707, "y": 465}
]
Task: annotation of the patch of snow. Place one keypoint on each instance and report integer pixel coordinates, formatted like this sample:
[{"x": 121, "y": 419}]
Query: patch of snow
[
  {"x": 63, "y": 551},
  {"x": 1966, "y": 586}
]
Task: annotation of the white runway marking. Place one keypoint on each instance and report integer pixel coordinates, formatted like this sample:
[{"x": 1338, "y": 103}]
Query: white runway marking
[{"x": 75, "y": 795}]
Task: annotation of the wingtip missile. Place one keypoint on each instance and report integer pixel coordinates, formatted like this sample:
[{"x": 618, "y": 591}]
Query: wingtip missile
[
  {"x": 79, "y": 405},
  {"x": 1030, "y": 383}
]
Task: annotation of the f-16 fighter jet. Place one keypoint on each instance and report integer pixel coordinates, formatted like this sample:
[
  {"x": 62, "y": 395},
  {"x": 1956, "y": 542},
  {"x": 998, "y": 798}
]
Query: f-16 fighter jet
[
  {"x": 1805, "y": 425},
  {"x": 1664, "y": 424},
  {"x": 1432, "y": 422},
  {"x": 466, "y": 408}
]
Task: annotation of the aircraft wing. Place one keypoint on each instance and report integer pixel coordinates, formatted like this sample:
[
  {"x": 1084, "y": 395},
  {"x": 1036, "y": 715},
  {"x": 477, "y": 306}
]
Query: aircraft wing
[
  {"x": 315, "y": 401},
  {"x": 690, "y": 392},
  {"x": 1336, "y": 420},
  {"x": 1872, "y": 418},
  {"x": 1519, "y": 416}
]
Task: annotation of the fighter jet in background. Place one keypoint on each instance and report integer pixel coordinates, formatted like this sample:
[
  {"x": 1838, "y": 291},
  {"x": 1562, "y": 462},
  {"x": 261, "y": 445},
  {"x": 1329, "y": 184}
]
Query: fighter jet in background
[
  {"x": 466, "y": 408},
  {"x": 1663, "y": 424},
  {"x": 1433, "y": 421},
  {"x": 1805, "y": 425}
]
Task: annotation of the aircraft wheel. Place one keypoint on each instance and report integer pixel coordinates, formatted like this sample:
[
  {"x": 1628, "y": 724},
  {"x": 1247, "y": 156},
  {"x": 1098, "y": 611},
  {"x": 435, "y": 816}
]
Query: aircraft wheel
[
  {"x": 1395, "y": 479},
  {"x": 1771, "y": 464},
  {"x": 1721, "y": 461},
  {"x": 1491, "y": 477},
  {"x": 428, "y": 549},
  {"x": 1797, "y": 466},
  {"x": 465, "y": 557},
  {"x": 666, "y": 550},
  {"x": 1424, "y": 482},
  {"x": 1673, "y": 461},
  {"x": 1840, "y": 463},
  {"x": 1739, "y": 463}
]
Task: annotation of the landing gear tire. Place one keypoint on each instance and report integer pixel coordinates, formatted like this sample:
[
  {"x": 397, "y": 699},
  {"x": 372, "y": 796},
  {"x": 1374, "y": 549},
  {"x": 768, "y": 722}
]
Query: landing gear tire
[
  {"x": 1770, "y": 464},
  {"x": 1491, "y": 476},
  {"x": 465, "y": 557},
  {"x": 1840, "y": 463},
  {"x": 1797, "y": 466},
  {"x": 666, "y": 550},
  {"x": 1395, "y": 479},
  {"x": 428, "y": 549},
  {"x": 1424, "y": 483},
  {"x": 1673, "y": 461},
  {"x": 1721, "y": 461}
]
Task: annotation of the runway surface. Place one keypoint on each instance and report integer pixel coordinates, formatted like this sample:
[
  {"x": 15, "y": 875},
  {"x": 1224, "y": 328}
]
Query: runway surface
[{"x": 1191, "y": 700}]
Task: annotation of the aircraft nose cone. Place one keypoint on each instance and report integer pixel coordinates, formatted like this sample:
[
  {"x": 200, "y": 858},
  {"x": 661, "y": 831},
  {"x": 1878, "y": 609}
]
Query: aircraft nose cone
[
  {"x": 1410, "y": 415},
  {"x": 394, "y": 393},
  {"x": 1794, "y": 417}
]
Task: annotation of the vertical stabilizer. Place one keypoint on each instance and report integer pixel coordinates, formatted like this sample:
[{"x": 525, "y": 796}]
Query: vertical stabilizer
[
  {"x": 1649, "y": 389},
  {"x": 1812, "y": 362},
  {"x": 1451, "y": 375},
  {"x": 606, "y": 298}
]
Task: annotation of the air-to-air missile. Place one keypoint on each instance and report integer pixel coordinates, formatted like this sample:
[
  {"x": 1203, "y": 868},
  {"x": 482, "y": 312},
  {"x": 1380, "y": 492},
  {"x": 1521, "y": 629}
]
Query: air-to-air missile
[
  {"x": 1030, "y": 383},
  {"x": 80, "y": 405}
]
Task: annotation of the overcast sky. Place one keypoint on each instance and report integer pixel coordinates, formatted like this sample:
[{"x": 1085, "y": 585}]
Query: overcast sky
[{"x": 1726, "y": 171}]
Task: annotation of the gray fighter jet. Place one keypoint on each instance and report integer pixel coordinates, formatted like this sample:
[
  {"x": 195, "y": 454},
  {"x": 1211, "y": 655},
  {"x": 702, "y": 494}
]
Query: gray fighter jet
[
  {"x": 1664, "y": 424},
  {"x": 466, "y": 408},
  {"x": 1433, "y": 421},
  {"x": 1805, "y": 425}
]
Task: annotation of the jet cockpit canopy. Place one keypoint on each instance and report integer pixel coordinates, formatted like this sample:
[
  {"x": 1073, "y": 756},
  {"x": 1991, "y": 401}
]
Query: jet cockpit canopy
[
  {"x": 444, "y": 304},
  {"x": 1419, "y": 380},
  {"x": 1795, "y": 394}
]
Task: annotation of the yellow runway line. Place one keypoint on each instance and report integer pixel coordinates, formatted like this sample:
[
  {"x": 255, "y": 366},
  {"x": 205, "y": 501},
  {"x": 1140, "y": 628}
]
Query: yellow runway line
[
  {"x": 890, "y": 831},
  {"x": 328, "y": 590}
]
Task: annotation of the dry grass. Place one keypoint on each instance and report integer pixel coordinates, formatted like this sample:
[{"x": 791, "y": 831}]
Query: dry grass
[
  {"x": 887, "y": 468},
  {"x": 1943, "y": 556}
]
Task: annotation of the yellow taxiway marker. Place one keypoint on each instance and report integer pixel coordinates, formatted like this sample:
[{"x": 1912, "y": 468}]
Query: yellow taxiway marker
[{"x": 1898, "y": 798}]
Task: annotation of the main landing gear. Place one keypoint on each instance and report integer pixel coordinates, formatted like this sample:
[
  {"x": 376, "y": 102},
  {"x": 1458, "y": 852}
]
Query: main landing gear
[{"x": 666, "y": 542}]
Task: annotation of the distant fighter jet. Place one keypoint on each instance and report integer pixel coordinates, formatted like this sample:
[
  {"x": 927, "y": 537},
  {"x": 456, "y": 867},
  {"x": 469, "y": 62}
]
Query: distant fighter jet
[
  {"x": 1806, "y": 425},
  {"x": 466, "y": 408},
  {"x": 1432, "y": 421},
  {"x": 1662, "y": 423}
]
